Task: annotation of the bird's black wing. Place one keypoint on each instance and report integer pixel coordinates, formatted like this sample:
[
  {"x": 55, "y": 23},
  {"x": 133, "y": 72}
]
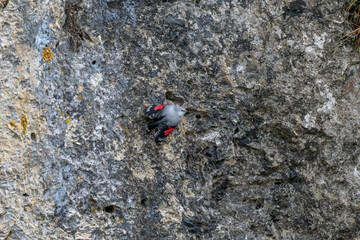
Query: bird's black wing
[
  {"x": 163, "y": 131},
  {"x": 154, "y": 111}
]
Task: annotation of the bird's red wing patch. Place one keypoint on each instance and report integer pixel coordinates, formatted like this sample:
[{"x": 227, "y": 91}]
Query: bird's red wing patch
[
  {"x": 167, "y": 132},
  {"x": 159, "y": 107}
]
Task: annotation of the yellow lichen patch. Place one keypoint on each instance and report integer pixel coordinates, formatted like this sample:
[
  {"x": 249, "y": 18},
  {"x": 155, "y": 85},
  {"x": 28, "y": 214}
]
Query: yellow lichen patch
[
  {"x": 44, "y": 110},
  {"x": 13, "y": 124},
  {"x": 40, "y": 218},
  {"x": 61, "y": 114},
  {"x": 24, "y": 123},
  {"x": 47, "y": 54},
  {"x": 67, "y": 120},
  {"x": 79, "y": 97},
  {"x": 127, "y": 131},
  {"x": 66, "y": 114},
  {"x": 119, "y": 220},
  {"x": 121, "y": 126}
]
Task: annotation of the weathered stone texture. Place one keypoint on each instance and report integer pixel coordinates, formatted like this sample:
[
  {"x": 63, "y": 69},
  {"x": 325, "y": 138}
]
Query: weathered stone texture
[{"x": 270, "y": 149}]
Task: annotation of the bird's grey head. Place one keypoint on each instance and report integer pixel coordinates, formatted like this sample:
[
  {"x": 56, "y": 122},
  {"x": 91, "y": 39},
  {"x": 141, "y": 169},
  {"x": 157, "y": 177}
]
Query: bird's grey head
[{"x": 180, "y": 110}]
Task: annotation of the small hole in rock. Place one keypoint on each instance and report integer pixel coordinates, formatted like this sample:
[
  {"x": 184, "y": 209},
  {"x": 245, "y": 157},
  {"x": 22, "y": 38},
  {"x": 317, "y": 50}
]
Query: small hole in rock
[
  {"x": 33, "y": 136},
  {"x": 198, "y": 116},
  {"x": 236, "y": 130},
  {"x": 174, "y": 97},
  {"x": 25, "y": 195},
  {"x": 109, "y": 209},
  {"x": 292, "y": 174},
  {"x": 93, "y": 62},
  {"x": 143, "y": 202},
  {"x": 259, "y": 204}
]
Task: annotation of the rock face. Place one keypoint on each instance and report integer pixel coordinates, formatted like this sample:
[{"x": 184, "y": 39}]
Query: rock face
[{"x": 270, "y": 149}]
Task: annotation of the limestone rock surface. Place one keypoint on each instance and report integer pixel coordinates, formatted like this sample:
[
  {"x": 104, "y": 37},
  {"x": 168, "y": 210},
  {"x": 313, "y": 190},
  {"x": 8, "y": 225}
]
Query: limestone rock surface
[{"x": 269, "y": 150}]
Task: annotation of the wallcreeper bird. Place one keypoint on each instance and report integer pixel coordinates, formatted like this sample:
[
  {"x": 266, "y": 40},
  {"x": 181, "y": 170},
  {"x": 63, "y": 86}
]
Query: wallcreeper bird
[{"x": 166, "y": 117}]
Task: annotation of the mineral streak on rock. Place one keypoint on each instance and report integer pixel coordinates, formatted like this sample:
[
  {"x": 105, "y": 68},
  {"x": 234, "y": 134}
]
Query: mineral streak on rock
[{"x": 269, "y": 150}]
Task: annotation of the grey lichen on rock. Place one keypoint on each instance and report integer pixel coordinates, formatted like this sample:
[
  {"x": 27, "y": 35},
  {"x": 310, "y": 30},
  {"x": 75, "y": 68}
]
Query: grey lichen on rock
[{"x": 269, "y": 149}]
